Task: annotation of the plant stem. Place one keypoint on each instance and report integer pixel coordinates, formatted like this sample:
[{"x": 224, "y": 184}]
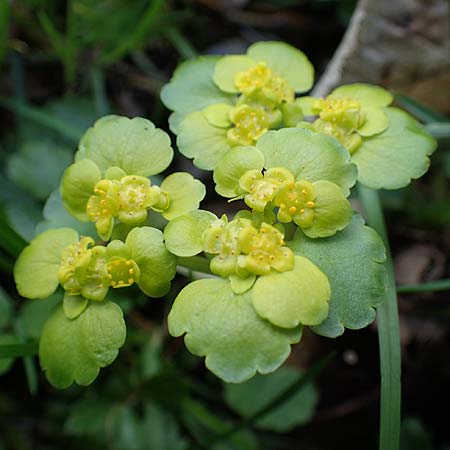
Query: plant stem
[
  {"x": 195, "y": 263},
  {"x": 439, "y": 285},
  {"x": 388, "y": 333}
]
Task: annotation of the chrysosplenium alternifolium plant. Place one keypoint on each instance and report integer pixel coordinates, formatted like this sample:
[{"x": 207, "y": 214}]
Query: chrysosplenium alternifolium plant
[{"x": 296, "y": 254}]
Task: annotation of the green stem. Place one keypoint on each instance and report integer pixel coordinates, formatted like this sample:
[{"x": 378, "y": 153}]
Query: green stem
[
  {"x": 98, "y": 89},
  {"x": 195, "y": 263},
  {"x": 439, "y": 285},
  {"x": 388, "y": 333},
  {"x": 183, "y": 46}
]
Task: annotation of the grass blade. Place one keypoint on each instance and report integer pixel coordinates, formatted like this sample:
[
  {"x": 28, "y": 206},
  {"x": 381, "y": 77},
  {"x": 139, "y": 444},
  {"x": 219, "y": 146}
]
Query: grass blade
[{"x": 388, "y": 334}]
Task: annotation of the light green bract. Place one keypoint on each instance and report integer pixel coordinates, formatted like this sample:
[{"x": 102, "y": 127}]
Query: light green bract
[
  {"x": 224, "y": 327},
  {"x": 389, "y": 147},
  {"x": 80, "y": 337},
  {"x": 107, "y": 183},
  {"x": 263, "y": 283},
  {"x": 87, "y": 270},
  {"x": 249, "y": 95},
  {"x": 304, "y": 174},
  {"x": 353, "y": 261},
  {"x": 75, "y": 350}
]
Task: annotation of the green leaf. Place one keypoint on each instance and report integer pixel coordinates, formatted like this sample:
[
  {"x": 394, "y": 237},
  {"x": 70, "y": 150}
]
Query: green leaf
[
  {"x": 56, "y": 216},
  {"x": 134, "y": 145},
  {"x": 88, "y": 417},
  {"x": 192, "y": 88},
  {"x": 185, "y": 193},
  {"x": 33, "y": 314},
  {"x": 156, "y": 264},
  {"x": 183, "y": 235},
  {"x": 77, "y": 185},
  {"x": 75, "y": 350},
  {"x": 6, "y": 308},
  {"x": 228, "y": 67},
  {"x": 391, "y": 159},
  {"x": 224, "y": 327},
  {"x": 296, "y": 297},
  {"x": 160, "y": 430},
  {"x": 37, "y": 166},
  {"x": 125, "y": 429},
  {"x": 200, "y": 140},
  {"x": 254, "y": 395},
  {"x": 36, "y": 269},
  {"x": 22, "y": 212},
  {"x": 353, "y": 262},
  {"x": 375, "y": 122},
  {"x": 366, "y": 94},
  {"x": 6, "y": 340},
  {"x": 74, "y": 305},
  {"x": 232, "y": 166},
  {"x": 286, "y": 61},
  {"x": 309, "y": 156},
  {"x": 218, "y": 115},
  {"x": 332, "y": 211}
]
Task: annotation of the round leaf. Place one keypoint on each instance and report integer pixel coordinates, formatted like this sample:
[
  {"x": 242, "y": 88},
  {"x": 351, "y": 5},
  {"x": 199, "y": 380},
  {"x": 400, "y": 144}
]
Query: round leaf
[
  {"x": 192, "y": 88},
  {"x": 332, "y": 211},
  {"x": 286, "y": 61},
  {"x": 227, "y": 68},
  {"x": 353, "y": 262},
  {"x": 185, "y": 194},
  {"x": 232, "y": 166},
  {"x": 256, "y": 394},
  {"x": 200, "y": 140},
  {"x": 217, "y": 115},
  {"x": 299, "y": 296},
  {"x": 309, "y": 156},
  {"x": 224, "y": 327},
  {"x": 376, "y": 122},
  {"x": 183, "y": 235},
  {"x": 391, "y": 159},
  {"x": 36, "y": 269},
  {"x": 366, "y": 94},
  {"x": 77, "y": 185},
  {"x": 74, "y": 305},
  {"x": 75, "y": 350},
  {"x": 156, "y": 264},
  {"x": 134, "y": 145}
]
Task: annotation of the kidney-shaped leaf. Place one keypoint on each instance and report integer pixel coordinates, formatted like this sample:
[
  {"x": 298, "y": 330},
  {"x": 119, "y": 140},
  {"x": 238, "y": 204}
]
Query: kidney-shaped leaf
[
  {"x": 225, "y": 328},
  {"x": 353, "y": 262},
  {"x": 75, "y": 350}
]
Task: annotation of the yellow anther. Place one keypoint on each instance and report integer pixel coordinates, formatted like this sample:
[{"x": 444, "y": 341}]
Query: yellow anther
[
  {"x": 282, "y": 206},
  {"x": 304, "y": 191},
  {"x": 121, "y": 282},
  {"x": 113, "y": 283},
  {"x": 292, "y": 210},
  {"x": 310, "y": 204},
  {"x": 302, "y": 211},
  {"x": 130, "y": 281},
  {"x": 130, "y": 271}
]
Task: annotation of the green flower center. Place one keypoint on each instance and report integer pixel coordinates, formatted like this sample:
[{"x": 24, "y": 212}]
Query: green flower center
[
  {"x": 253, "y": 79},
  {"x": 340, "y": 118},
  {"x": 264, "y": 250},
  {"x": 135, "y": 196},
  {"x": 243, "y": 250},
  {"x": 296, "y": 203},
  {"x": 103, "y": 204},
  {"x": 122, "y": 272},
  {"x": 250, "y": 123},
  {"x": 259, "y": 79},
  {"x": 128, "y": 199},
  {"x": 83, "y": 270},
  {"x": 262, "y": 188}
]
